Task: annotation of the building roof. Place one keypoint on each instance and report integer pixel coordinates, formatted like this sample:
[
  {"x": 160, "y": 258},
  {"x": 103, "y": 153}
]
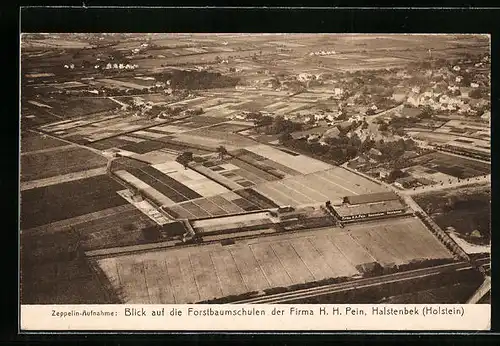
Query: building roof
[
  {"x": 372, "y": 198},
  {"x": 359, "y": 209}
]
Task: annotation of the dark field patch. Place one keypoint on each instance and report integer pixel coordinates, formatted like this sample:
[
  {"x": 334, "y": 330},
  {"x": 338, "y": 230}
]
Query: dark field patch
[
  {"x": 443, "y": 295},
  {"x": 63, "y": 201},
  {"x": 201, "y": 120},
  {"x": 257, "y": 199},
  {"x": 246, "y": 183},
  {"x": 210, "y": 207},
  {"x": 33, "y": 141},
  {"x": 225, "y": 204},
  {"x": 195, "y": 210},
  {"x": 52, "y": 273},
  {"x": 144, "y": 147},
  {"x": 458, "y": 167},
  {"x": 53, "y": 163},
  {"x": 174, "y": 184},
  {"x": 245, "y": 204},
  {"x": 109, "y": 143},
  {"x": 80, "y": 106},
  {"x": 465, "y": 209},
  {"x": 463, "y": 141},
  {"x": 157, "y": 185}
]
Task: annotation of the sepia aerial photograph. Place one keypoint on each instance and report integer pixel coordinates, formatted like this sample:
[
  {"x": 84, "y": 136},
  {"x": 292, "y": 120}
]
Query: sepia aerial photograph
[{"x": 168, "y": 168}]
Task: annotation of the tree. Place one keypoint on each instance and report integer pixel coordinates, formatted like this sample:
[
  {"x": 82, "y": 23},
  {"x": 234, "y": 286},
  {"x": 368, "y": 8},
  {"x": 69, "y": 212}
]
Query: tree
[
  {"x": 264, "y": 121},
  {"x": 426, "y": 112},
  {"x": 222, "y": 152},
  {"x": 383, "y": 127},
  {"x": 475, "y": 94},
  {"x": 396, "y": 174},
  {"x": 185, "y": 158},
  {"x": 285, "y": 137}
]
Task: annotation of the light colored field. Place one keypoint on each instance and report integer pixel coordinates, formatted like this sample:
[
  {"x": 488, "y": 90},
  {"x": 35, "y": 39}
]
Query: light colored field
[
  {"x": 191, "y": 274},
  {"x": 171, "y": 128},
  {"x": 39, "y": 75},
  {"x": 39, "y": 104},
  {"x": 121, "y": 83},
  {"x": 71, "y": 123},
  {"x": 199, "y": 183},
  {"x": 318, "y": 187},
  {"x": 230, "y": 220},
  {"x": 217, "y": 177},
  {"x": 131, "y": 139},
  {"x": 192, "y": 179},
  {"x": 292, "y": 107},
  {"x": 199, "y": 140},
  {"x": 148, "y": 135},
  {"x": 300, "y": 163},
  {"x": 157, "y": 157}
]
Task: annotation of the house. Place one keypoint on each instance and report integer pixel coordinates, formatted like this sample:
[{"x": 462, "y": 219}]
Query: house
[
  {"x": 465, "y": 91},
  {"x": 304, "y": 77},
  {"x": 374, "y": 153},
  {"x": 456, "y": 68},
  {"x": 331, "y": 133},
  {"x": 486, "y": 115},
  {"x": 413, "y": 99},
  {"x": 474, "y": 85},
  {"x": 344, "y": 125},
  {"x": 383, "y": 173}
]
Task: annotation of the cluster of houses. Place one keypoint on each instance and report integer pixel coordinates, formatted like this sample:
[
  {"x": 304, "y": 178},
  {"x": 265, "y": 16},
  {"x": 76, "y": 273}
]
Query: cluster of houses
[
  {"x": 108, "y": 66},
  {"x": 322, "y": 52},
  {"x": 441, "y": 101}
]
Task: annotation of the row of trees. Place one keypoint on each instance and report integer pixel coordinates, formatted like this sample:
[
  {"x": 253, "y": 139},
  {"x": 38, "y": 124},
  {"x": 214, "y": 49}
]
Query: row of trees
[{"x": 274, "y": 125}]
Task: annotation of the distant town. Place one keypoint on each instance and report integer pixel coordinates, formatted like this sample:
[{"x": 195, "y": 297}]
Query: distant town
[{"x": 250, "y": 168}]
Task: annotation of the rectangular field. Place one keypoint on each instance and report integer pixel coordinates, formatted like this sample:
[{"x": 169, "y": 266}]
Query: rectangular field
[
  {"x": 34, "y": 142},
  {"x": 458, "y": 167},
  {"x": 318, "y": 187},
  {"x": 57, "y": 162},
  {"x": 168, "y": 183},
  {"x": 299, "y": 163},
  {"x": 212, "y": 270},
  {"x": 52, "y": 203},
  {"x": 80, "y": 106}
]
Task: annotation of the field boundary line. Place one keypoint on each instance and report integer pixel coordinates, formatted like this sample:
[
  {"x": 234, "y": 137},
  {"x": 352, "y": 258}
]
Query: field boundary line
[
  {"x": 281, "y": 262},
  {"x": 63, "y": 178}
]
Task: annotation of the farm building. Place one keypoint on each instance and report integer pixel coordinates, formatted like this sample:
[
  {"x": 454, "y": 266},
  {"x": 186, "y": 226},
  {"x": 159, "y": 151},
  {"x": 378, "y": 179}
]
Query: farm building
[
  {"x": 371, "y": 198},
  {"x": 347, "y": 212}
]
